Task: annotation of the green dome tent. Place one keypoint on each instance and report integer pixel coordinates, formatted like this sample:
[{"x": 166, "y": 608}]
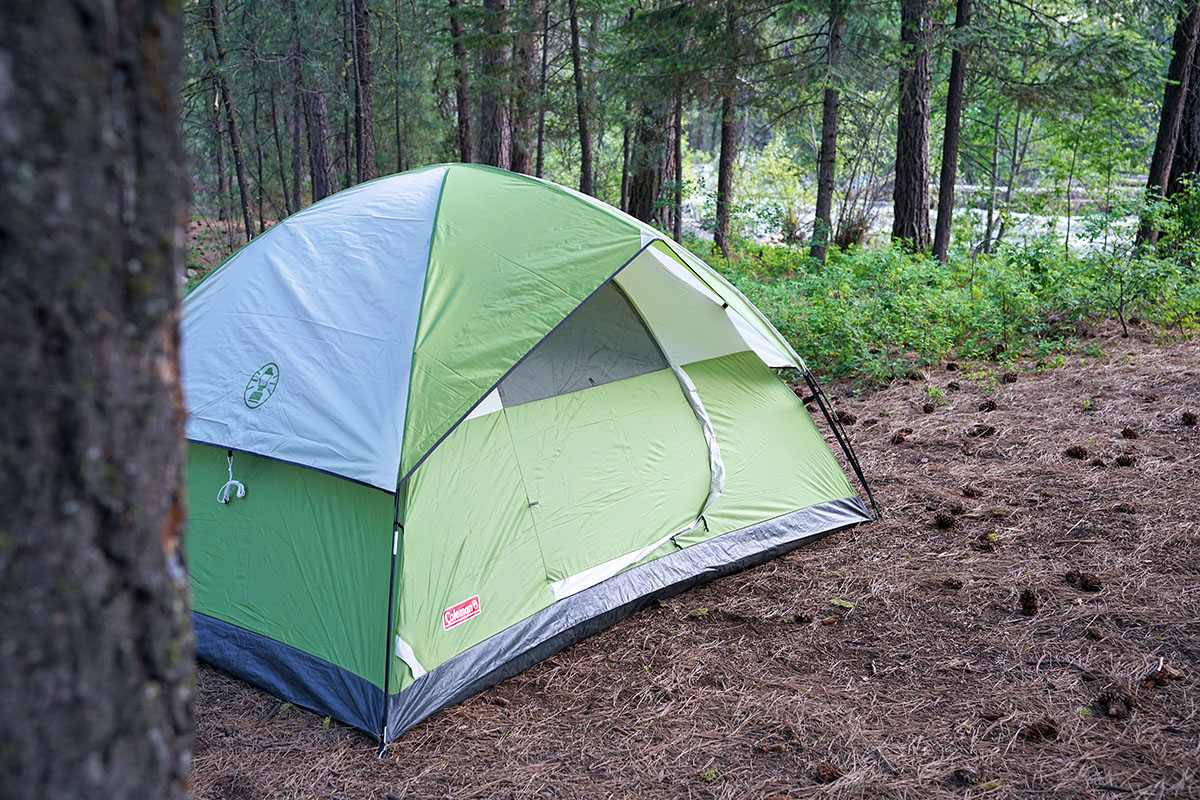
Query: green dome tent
[{"x": 445, "y": 423}]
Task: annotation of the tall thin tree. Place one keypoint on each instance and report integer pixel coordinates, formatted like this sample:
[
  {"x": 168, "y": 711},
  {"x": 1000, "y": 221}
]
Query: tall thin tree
[
  {"x": 97, "y": 656},
  {"x": 364, "y": 125},
  {"x": 543, "y": 83},
  {"x": 827, "y": 157},
  {"x": 728, "y": 151},
  {"x": 462, "y": 87},
  {"x": 316, "y": 113},
  {"x": 1183, "y": 48},
  {"x": 586, "y": 170},
  {"x": 525, "y": 101},
  {"x": 495, "y": 131},
  {"x": 910, "y": 224},
  {"x": 215, "y": 22},
  {"x": 951, "y": 134}
]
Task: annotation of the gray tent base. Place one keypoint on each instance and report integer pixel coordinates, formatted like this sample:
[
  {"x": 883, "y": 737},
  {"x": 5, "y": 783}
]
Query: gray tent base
[{"x": 592, "y": 610}]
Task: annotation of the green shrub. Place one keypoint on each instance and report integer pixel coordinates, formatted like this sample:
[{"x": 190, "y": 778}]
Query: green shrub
[{"x": 883, "y": 313}]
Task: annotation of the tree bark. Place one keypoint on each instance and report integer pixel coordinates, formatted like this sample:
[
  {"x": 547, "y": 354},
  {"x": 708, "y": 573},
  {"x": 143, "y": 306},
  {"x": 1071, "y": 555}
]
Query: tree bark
[
  {"x": 218, "y": 134},
  {"x": 1178, "y": 73},
  {"x": 677, "y": 171},
  {"x": 495, "y": 132},
  {"x": 401, "y": 121},
  {"x": 213, "y": 16},
  {"x": 462, "y": 87},
  {"x": 364, "y": 125},
  {"x": 1186, "y": 163},
  {"x": 650, "y": 161},
  {"x": 526, "y": 100},
  {"x": 259, "y": 180},
  {"x": 1183, "y": 47},
  {"x": 910, "y": 224},
  {"x": 297, "y": 111},
  {"x": 348, "y": 81},
  {"x": 95, "y": 688},
  {"x": 586, "y": 169},
  {"x": 279, "y": 162},
  {"x": 827, "y": 157},
  {"x": 626, "y": 155},
  {"x": 320, "y": 162},
  {"x": 540, "y": 166},
  {"x": 950, "y": 137},
  {"x": 728, "y": 152}
]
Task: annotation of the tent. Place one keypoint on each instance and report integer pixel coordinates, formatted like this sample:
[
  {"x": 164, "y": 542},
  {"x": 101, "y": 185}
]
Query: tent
[{"x": 445, "y": 423}]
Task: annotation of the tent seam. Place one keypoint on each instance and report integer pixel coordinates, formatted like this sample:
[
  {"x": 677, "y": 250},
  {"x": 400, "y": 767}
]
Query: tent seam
[{"x": 521, "y": 360}]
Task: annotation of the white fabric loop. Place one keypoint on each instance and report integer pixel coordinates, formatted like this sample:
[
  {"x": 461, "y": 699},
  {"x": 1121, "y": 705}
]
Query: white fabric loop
[{"x": 223, "y": 492}]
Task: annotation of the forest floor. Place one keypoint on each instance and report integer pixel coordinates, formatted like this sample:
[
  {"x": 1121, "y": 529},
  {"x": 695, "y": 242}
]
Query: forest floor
[{"x": 936, "y": 683}]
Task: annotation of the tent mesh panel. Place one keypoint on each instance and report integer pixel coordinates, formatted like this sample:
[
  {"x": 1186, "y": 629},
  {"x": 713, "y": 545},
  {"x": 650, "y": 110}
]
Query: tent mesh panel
[{"x": 603, "y": 341}]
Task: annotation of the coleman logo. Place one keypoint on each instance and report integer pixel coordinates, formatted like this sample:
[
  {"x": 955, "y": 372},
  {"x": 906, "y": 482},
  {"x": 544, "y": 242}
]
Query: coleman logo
[
  {"x": 460, "y": 612},
  {"x": 261, "y": 386}
]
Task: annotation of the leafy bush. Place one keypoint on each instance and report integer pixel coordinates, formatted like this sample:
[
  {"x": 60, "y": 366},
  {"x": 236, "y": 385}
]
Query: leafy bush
[{"x": 883, "y": 313}]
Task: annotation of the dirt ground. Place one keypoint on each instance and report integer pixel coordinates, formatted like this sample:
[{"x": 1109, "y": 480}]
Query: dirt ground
[{"x": 990, "y": 637}]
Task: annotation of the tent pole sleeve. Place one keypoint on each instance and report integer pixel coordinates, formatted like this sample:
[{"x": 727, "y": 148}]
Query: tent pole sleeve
[
  {"x": 397, "y": 530},
  {"x": 842, "y": 437}
]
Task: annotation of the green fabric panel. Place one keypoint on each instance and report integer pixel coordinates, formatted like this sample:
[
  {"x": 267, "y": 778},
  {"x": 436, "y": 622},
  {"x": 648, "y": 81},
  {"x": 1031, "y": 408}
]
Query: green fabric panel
[
  {"x": 776, "y": 461},
  {"x": 304, "y": 558},
  {"x": 511, "y": 257},
  {"x": 467, "y": 532},
  {"x": 611, "y": 468}
]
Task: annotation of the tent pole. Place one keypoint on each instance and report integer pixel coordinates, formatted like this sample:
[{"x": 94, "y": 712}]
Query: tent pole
[
  {"x": 840, "y": 434},
  {"x": 397, "y": 532}
]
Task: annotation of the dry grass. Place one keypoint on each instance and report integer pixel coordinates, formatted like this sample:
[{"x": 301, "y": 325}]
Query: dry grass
[{"x": 934, "y": 684}]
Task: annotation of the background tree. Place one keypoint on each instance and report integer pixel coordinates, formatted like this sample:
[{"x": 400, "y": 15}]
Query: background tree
[
  {"x": 96, "y": 652},
  {"x": 910, "y": 223},
  {"x": 827, "y": 157},
  {"x": 951, "y": 131}
]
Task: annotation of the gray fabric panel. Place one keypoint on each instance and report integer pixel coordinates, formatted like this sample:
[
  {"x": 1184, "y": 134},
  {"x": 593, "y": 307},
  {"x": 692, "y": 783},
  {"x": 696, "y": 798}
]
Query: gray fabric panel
[
  {"x": 602, "y": 605},
  {"x": 602, "y": 341}
]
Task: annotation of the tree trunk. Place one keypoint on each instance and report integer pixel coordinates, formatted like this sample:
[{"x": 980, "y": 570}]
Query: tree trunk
[
  {"x": 725, "y": 160},
  {"x": 950, "y": 137},
  {"x": 348, "y": 81},
  {"x": 213, "y": 16},
  {"x": 677, "y": 172},
  {"x": 317, "y": 114},
  {"x": 398, "y": 70},
  {"x": 526, "y": 100},
  {"x": 993, "y": 178},
  {"x": 95, "y": 688},
  {"x": 259, "y": 188},
  {"x": 725, "y": 163},
  {"x": 586, "y": 170},
  {"x": 910, "y": 225},
  {"x": 626, "y": 153},
  {"x": 1183, "y": 50},
  {"x": 462, "y": 88},
  {"x": 495, "y": 132},
  {"x": 279, "y": 162},
  {"x": 1186, "y": 163},
  {"x": 649, "y": 161},
  {"x": 827, "y": 157},
  {"x": 222, "y": 167},
  {"x": 542, "y": 84},
  {"x": 297, "y": 114},
  {"x": 364, "y": 125}
]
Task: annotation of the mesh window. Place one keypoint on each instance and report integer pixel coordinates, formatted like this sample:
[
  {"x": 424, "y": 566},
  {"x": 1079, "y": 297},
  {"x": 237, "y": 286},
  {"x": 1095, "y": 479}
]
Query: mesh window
[{"x": 603, "y": 341}]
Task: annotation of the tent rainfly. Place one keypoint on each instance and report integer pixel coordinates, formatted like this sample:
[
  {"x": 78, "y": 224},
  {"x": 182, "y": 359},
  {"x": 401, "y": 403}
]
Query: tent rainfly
[{"x": 446, "y": 423}]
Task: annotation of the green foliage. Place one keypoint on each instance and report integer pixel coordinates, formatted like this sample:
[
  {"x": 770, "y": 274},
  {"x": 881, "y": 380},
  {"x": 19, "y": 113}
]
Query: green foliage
[{"x": 880, "y": 314}]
